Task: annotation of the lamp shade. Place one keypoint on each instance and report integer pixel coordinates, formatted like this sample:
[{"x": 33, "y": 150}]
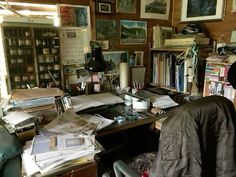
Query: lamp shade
[{"x": 96, "y": 63}]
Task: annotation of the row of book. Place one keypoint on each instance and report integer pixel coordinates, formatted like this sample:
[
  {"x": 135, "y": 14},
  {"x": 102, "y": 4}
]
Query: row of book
[
  {"x": 171, "y": 72},
  {"x": 222, "y": 89},
  {"x": 216, "y": 72}
]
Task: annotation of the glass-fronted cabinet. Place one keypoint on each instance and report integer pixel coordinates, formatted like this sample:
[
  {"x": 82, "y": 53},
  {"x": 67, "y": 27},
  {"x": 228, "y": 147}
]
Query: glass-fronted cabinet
[
  {"x": 32, "y": 56},
  {"x": 47, "y": 56},
  {"x": 19, "y": 52}
]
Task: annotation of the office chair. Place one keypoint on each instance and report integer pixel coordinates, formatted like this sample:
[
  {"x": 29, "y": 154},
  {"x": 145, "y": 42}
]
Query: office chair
[{"x": 197, "y": 140}]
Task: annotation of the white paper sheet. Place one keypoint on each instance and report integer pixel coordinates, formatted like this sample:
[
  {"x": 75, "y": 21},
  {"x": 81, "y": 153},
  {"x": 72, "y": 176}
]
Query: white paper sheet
[
  {"x": 87, "y": 101},
  {"x": 17, "y": 117},
  {"x": 162, "y": 101}
]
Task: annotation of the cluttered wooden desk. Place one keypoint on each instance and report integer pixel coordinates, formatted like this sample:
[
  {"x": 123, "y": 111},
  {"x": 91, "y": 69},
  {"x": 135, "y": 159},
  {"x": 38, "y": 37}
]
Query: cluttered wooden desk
[{"x": 100, "y": 119}]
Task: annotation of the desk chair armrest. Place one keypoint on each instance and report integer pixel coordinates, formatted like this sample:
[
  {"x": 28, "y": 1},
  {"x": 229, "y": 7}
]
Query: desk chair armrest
[{"x": 121, "y": 169}]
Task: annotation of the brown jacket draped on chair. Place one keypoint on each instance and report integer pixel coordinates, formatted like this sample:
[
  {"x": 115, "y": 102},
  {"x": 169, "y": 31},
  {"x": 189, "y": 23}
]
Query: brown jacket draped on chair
[{"x": 198, "y": 141}]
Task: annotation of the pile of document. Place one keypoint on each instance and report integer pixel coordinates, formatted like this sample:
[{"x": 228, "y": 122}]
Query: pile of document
[
  {"x": 66, "y": 140},
  {"x": 47, "y": 153},
  {"x": 19, "y": 121},
  {"x": 94, "y": 100},
  {"x": 31, "y": 100}
]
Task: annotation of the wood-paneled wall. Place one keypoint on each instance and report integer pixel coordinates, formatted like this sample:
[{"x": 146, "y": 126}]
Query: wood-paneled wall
[
  {"x": 215, "y": 28},
  {"x": 114, "y": 44}
]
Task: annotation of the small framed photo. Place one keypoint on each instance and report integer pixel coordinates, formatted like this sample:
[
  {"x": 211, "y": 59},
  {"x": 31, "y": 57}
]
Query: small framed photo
[
  {"x": 138, "y": 58},
  {"x": 104, "y": 8},
  {"x": 155, "y": 9},
  {"x": 104, "y": 44}
]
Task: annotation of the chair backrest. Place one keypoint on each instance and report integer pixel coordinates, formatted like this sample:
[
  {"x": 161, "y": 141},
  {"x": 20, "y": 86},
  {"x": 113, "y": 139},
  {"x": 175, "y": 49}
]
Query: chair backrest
[{"x": 198, "y": 140}]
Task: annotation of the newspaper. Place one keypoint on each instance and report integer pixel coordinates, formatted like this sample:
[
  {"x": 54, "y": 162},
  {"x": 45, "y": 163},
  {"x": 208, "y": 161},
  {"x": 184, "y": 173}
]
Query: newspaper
[{"x": 70, "y": 122}]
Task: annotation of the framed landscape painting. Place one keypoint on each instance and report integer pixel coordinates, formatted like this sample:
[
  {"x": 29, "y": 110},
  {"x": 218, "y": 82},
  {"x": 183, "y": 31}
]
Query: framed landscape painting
[
  {"x": 126, "y": 6},
  {"x": 155, "y": 9},
  {"x": 106, "y": 29},
  {"x": 133, "y": 32},
  {"x": 193, "y": 10},
  {"x": 114, "y": 58}
]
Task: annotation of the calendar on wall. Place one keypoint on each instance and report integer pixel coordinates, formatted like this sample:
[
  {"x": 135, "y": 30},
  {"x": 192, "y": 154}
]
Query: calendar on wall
[
  {"x": 75, "y": 33},
  {"x": 74, "y": 45}
]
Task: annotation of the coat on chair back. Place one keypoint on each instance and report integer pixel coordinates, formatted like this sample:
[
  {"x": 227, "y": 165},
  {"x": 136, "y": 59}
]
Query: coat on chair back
[{"x": 198, "y": 141}]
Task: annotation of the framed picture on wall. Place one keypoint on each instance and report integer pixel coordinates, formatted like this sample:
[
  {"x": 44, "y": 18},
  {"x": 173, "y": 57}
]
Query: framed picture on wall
[
  {"x": 74, "y": 15},
  {"x": 126, "y": 6},
  {"x": 193, "y": 10},
  {"x": 104, "y": 8},
  {"x": 104, "y": 44},
  {"x": 114, "y": 58},
  {"x": 102, "y": 26},
  {"x": 155, "y": 9},
  {"x": 138, "y": 58},
  {"x": 133, "y": 32}
]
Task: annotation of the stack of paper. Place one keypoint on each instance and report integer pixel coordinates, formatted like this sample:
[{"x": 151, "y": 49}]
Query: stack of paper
[
  {"x": 19, "y": 121},
  {"x": 47, "y": 153},
  {"x": 34, "y": 99},
  {"x": 70, "y": 122},
  {"x": 64, "y": 141},
  {"x": 87, "y": 101}
]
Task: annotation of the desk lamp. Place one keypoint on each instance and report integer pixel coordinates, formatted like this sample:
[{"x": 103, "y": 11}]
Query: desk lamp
[{"x": 96, "y": 63}]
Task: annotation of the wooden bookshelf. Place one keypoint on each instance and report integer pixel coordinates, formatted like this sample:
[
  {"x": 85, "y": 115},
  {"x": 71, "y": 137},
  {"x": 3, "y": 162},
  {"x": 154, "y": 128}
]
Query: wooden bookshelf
[
  {"x": 166, "y": 70},
  {"x": 215, "y": 80}
]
